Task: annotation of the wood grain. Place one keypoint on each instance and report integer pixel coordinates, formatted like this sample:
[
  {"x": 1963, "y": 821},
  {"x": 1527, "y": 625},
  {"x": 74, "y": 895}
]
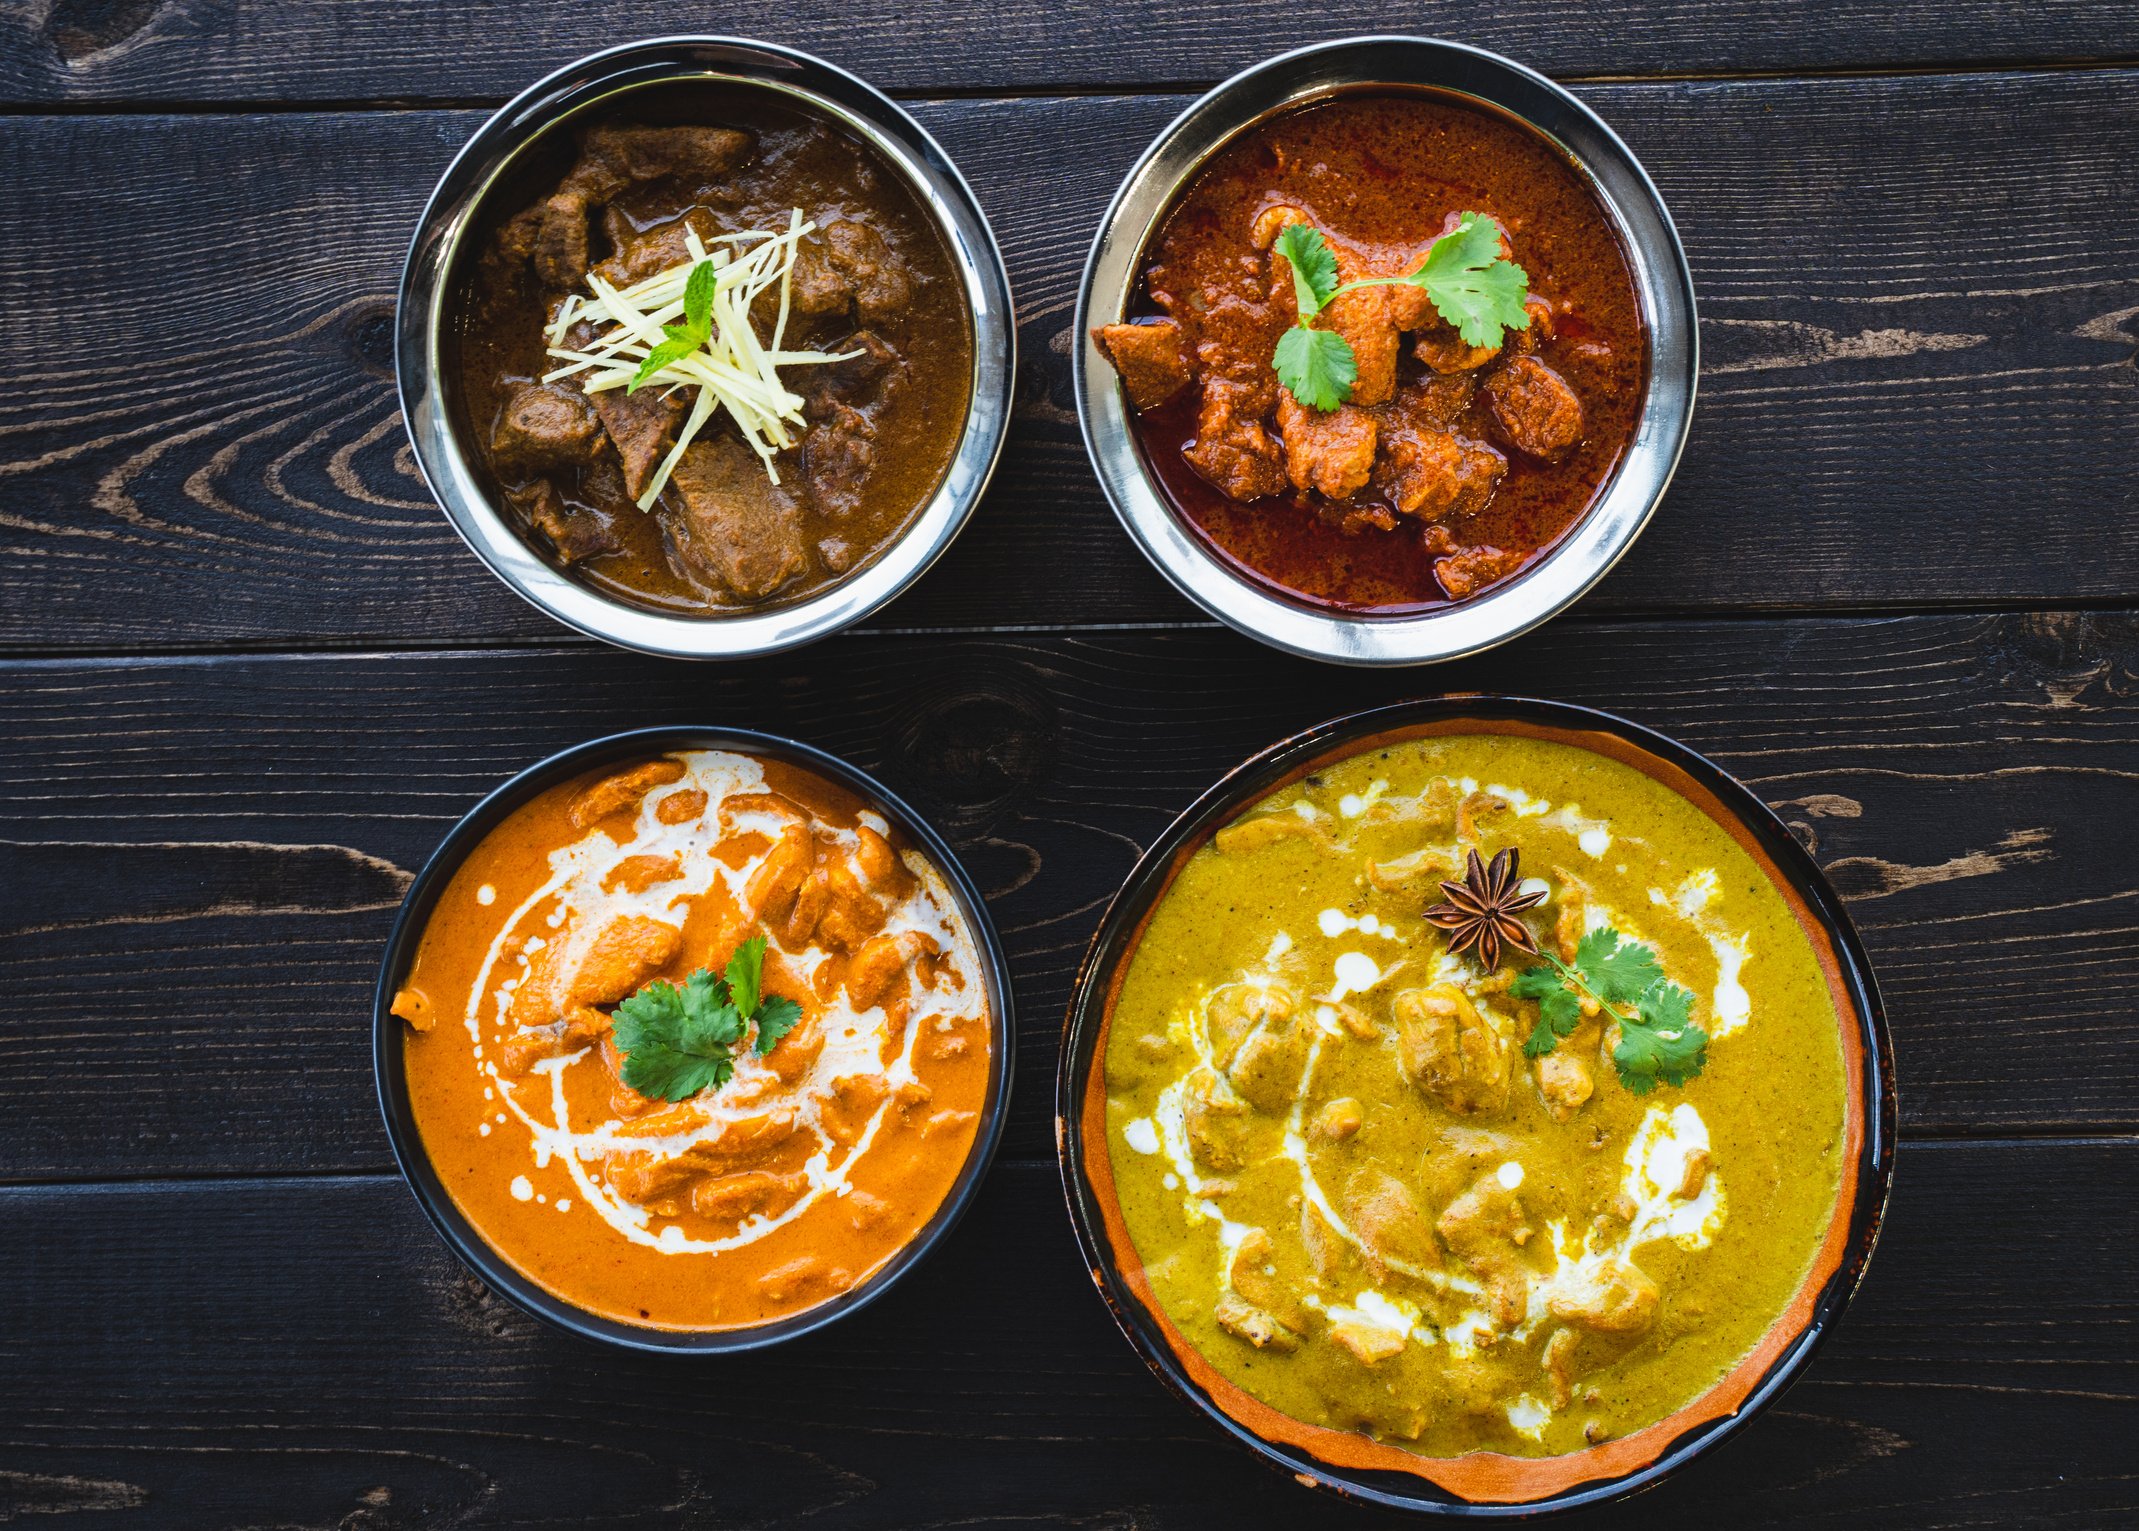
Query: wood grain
[
  {"x": 199, "y": 859},
  {"x": 1907, "y": 401},
  {"x": 306, "y": 1353}
]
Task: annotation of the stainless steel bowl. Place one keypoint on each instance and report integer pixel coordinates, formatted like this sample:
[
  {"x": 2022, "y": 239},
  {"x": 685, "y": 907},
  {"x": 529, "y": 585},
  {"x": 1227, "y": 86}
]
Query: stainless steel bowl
[
  {"x": 457, "y": 214},
  {"x": 1661, "y": 279}
]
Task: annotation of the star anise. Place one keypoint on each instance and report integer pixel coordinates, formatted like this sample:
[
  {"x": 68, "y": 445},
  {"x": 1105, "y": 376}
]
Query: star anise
[{"x": 1480, "y": 912}]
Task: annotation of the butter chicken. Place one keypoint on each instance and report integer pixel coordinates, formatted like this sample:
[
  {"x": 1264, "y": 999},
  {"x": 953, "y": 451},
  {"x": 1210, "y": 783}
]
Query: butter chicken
[
  {"x": 754, "y": 1181},
  {"x": 1455, "y": 458}
]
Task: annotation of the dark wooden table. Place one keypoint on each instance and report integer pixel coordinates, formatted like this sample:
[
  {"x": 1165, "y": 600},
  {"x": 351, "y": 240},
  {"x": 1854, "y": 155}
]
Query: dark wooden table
[{"x": 250, "y": 678}]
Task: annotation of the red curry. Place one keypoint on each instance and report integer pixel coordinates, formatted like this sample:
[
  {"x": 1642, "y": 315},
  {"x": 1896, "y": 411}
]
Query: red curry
[{"x": 1452, "y": 466}]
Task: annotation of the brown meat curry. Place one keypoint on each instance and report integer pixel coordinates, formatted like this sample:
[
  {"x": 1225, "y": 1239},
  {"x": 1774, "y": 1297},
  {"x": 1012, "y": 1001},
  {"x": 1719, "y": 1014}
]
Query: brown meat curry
[
  {"x": 872, "y": 283},
  {"x": 1451, "y": 466}
]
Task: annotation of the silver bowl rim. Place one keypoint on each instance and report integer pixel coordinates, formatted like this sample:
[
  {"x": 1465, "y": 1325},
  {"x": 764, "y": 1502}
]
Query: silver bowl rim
[
  {"x": 454, "y": 209},
  {"x": 1663, "y": 282}
]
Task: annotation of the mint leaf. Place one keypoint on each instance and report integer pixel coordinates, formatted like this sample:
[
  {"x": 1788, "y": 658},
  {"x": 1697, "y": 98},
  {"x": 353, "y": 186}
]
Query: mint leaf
[
  {"x": 659, "y": 357},
  {"x": 1314, "y": 268},
  {"x": 1616, "y": 968},
  {"x": 776, "y": 1019},
  {"x": 746, "y": 975},
  {"x": 1317, "y": 366},
  {"x": 1474, "y": 287},
  {"x": 698, "y": 299}
]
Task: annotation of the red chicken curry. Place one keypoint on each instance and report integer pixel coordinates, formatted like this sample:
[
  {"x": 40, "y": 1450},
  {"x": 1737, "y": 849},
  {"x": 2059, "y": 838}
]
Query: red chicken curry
[{"x": 1451, "y": 465}]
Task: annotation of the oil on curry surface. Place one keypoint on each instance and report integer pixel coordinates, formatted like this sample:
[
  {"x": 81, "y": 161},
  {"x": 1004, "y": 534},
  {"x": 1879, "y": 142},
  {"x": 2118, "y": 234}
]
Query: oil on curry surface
[
  {"x": 778, "y": 1189},
  {"x": 1356, "y": 1195}
]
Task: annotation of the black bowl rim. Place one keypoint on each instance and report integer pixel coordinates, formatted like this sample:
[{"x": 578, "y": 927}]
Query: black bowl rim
[
  {"x": 390, "y": 1074},
  {"x": 1247, "y": 781}
]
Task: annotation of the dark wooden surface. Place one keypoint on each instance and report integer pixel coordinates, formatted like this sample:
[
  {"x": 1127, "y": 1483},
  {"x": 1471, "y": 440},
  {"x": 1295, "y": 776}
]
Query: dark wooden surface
[{"x": 247, "y": 678}]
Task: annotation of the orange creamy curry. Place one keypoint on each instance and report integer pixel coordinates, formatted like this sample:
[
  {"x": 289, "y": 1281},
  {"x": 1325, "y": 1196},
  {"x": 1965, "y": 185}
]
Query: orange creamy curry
[{"x": 802, "y": 1174}]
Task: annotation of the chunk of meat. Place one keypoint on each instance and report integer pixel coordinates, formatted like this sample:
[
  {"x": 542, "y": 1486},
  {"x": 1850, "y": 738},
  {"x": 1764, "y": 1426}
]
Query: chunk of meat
[
  {"x": 622, "y": 790},
  {"x": 623, "y": 955},
  {"x": 1150, "y": 358},
  {"x": 1363, "y": 318},
  {"x": 414, "y": 1006},
  {"x": 731, "y": 1198},
  {"x": 1695, "y": 1176},
  {"x": 1245, "y": 1321},
  {"x": 1536, "y": 409},
  {"x": 1212, "y": 1121},
  {"x": 732, "y": 524},
  {"x": 1326, "y": 1249},
  {"x": 1522, "y": 342},
  {"x": 1444, "y": 350},
  {"x": 1449, "y": 1051},
  {"x": 576, "y": 534},
  {"x": 1473, "y": 810},
  {"x": 1273, "y": 221},
  {"x": 613, "y": 155},
  {"x": 1615, "y": 1296},
  {"x": 1254, "y": 1274},
  {"x": 522, "y": 1050},
  {"x": 871, "y": 370},
  {"x": 1367, "y": 1342},
  {"x": 815, "y": 286},
  {"x": 1563, "y": 1080},
  {"x": 1238, "y": 1010},
  {"x": 1340, "y": 1119},
  {"x": 854, "y": 1100},
  {"x": 639, "y": 254},
  {"x": 881, "y": 962},
  {"x": 642, "y": 428},
  {"x": 681, "y": 807},
  {"x": 1464, "y": 574},
  {"x": 1231, "y": 450},
  {"x": 1559, "y": 1365},
  {"x": 1244, "y": 837},
  {"x": 1265, "y": 1069},
  {"x": 561, "y": 252},
  {"x": 1385, "y": 1215},
  {"x": 635, "y": 874},
  {"x": 544, "y": 426},
  {"x": 1331, "y": 452},
  {"x": 877, "y": 278},
  {"x": 1485, "y": 1228},
  {"x": 838, "y": 455},
  {"x": 1435, "y": 475}
]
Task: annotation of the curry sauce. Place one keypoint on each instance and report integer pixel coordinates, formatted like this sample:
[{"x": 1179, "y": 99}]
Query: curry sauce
[
  {"x": 1361, "y": 1201},
  {"x": 771, "y": 1193}
]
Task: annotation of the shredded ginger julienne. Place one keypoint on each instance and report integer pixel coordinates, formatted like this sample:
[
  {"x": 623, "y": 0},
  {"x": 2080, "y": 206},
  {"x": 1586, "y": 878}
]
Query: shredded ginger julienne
[{"x": 731, "y": 371}]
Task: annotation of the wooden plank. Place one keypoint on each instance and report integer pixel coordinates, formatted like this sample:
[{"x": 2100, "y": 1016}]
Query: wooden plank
[
  {"x": 199, "y": 859},
  {"x": 1906, "y": 401},
  {"x": 252, "y": 50},
  {"x": 305, "y": 1352}
]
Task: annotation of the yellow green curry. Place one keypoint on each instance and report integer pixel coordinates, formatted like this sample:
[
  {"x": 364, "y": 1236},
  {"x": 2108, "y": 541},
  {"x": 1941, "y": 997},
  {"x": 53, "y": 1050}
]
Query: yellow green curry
[{"x": 1527, "y": 1209}]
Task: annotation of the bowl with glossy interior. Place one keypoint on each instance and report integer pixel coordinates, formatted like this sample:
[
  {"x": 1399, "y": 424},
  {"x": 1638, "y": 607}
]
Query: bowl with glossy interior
[
  {"x": 1483, "y": 1483},
  {"x": 1663, "y": 288},
  {"x": 465, "y": 206},
  {"x": 389, "y": 1061}
]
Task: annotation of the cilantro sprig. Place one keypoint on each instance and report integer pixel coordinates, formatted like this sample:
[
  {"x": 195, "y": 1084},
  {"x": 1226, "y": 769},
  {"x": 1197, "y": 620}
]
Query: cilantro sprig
[
  {"x": 1658, "y": 1041},
  {"x": 1470, "y": 283},
  {"x": 694, "y": 332},
  {"x": 679, "y": 1041}
]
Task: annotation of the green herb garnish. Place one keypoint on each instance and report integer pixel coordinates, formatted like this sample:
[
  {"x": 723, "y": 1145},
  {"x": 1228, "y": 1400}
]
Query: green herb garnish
[
  {"x": 1470, "y": 283},
  {"x": 1657, "y": 1038},
  {"x": 689, "y": 336},
  {"x": 679, "y": 1041}
]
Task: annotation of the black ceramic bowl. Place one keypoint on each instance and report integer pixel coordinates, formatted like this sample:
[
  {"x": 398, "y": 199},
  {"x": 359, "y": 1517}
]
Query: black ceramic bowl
[
  {"x": 1485, "y": 1484},
  {"x": 388, "y": 1062}
]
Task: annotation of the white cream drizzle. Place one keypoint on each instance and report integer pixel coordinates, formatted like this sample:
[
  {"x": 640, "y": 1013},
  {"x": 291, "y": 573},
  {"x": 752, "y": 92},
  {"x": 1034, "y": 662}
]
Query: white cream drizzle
[{"x": 852, "y": 1040}]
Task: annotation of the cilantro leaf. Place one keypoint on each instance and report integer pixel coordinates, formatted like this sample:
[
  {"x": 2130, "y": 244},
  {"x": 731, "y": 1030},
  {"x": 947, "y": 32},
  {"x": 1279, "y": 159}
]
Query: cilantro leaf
[
  {"x": 1616, "y": 968},
  {"x": 1316, "y": 365},
  {"x": 698, "y": 299},
  {"x": 677, "y": 1042},
  {"x": 776, "y": 1018},
  {"x": 746, "y": 975},
  {"x": 1314, "y": 267},
  {"x": 1663, "y": 1044},
  {"x": 1475, "y": 288},
  {"x": 1559, "y": 1008}
]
